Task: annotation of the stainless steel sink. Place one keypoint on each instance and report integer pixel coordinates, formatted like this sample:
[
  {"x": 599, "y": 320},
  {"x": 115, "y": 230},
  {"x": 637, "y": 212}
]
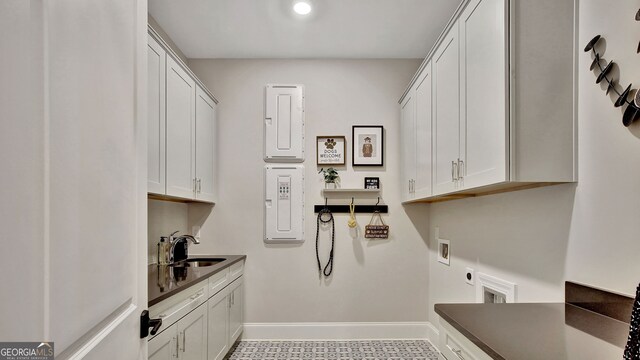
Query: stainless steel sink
[{"x": 198, "y": 262}]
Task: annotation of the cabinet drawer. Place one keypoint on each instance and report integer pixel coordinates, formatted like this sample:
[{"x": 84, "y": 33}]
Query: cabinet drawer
[
  {"x": 455, "y": 346},
  {"x": 179, "y": 305},
  {"x": 236, "y": 270},
  {"x": 218, "y": 281}
]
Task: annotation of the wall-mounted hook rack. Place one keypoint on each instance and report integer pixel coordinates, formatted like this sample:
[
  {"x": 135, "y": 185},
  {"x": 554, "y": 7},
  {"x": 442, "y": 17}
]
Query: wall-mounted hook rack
[{"x": 384, "y": 209}]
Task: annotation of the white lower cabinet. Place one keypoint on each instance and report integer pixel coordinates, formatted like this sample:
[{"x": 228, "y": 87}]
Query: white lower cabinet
[
  {"x": 195, "y": 328},
  {"x": 455, "y": 346},
  {"x": 192, "y": 335},
  {"x": 225, "y": 319},
  {"x": 236, "y": 310},
  {"x": 186, "y": 339},
  {"x": 164, "y": 346},
  {"x": 218, "y": 309}
]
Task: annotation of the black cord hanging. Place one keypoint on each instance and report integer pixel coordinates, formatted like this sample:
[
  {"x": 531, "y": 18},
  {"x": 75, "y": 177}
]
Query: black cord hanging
[
  {"x": 328, "y": 269},
  {"x": 632, "y": 112},
  {"x": 632, "y": 350}
]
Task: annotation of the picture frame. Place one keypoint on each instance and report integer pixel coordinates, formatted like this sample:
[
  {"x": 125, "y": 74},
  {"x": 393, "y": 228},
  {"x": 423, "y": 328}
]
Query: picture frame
[
  {"x": 367, "y": 143},
  {"x": 331, "y": 150},
  {"x": 372, "y": 183},
  {"x": 444, "y": 251}
]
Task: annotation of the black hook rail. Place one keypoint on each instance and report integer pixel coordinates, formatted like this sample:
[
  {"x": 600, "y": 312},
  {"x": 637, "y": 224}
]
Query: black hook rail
[{"x": 384, "y": 209}]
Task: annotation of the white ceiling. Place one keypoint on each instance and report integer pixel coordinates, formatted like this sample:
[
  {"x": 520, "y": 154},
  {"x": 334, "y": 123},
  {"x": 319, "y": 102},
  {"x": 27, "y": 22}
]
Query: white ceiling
[{"x": 335, "y": 28}]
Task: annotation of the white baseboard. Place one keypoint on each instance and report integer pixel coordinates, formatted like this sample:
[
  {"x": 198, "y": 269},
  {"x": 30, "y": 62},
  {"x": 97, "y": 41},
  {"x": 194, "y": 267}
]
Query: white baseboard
[
  {"x": 337, "y": 331},
  {"x": 433, "y": 334}
]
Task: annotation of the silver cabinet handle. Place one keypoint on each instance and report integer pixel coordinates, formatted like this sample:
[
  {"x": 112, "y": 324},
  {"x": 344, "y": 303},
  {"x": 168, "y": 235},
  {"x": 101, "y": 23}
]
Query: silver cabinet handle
[
  {"x": 460, "y": 169},
  {"x": 195, "y": 185},
  {"x": 409, "y": 186},
  {"x": 458, "y": 353},
  {"x": 453, "y": 166},
  {"x": 177, "y": 342},
  {"x": 184, "y": 342}
]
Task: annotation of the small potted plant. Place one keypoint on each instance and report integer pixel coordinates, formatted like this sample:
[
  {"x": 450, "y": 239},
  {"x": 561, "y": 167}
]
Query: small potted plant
[{"x": 330, "y": 177}]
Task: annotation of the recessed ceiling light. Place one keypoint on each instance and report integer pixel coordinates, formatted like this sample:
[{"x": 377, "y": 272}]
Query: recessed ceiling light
[{"x": 302, "y": 7}]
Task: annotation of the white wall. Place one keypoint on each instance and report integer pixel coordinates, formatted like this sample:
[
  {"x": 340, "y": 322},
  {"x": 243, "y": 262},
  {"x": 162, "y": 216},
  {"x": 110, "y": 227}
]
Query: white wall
[
  {"x": 587, "y": 232},
  {"x": 373, "y": 281}
]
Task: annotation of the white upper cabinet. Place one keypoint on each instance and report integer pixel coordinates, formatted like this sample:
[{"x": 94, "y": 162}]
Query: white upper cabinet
[
  {"x": 181, "y": 92},
  {"x": 501, "y": 102},
  {"x": 415, "y": 124},
  {"x": 156, "y": 174},
  {"x": 423, "y": 133},
  {"x": 483, "y": 101},
  {"x": 182, "y": 129},
  {"x": 205, "y": 136},
  {"x": 408, "y": 141},
  {"x": 446, "y": 120}
]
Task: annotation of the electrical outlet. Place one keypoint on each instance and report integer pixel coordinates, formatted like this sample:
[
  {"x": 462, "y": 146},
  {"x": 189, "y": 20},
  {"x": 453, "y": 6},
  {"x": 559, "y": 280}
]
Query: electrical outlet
[
  {"x": 470, "y": 276},
  {"x": 195, "y": 230}
]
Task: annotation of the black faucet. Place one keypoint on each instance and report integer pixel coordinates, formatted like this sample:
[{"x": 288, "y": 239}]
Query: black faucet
[{"x": 180, "y": 246}]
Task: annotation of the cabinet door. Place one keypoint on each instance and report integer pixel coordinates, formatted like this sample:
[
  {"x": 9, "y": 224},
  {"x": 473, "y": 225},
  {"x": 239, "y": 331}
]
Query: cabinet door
[
  {"x": 192, "y": 335},
  {"x": 218, "y": 329},
  {"x": 446, "y": 120},
  {"x": 205, "y": 145},
  {"x": 163, "y": 346},
  {"x": 408, "y": 140},
  {"x": 423, "y": 100},
  {"x": 181, "y": 90},
  {"x": 483, "y": 72},
  {"x": 236, "y": 312},
  {"x": 156, "y": 173}
]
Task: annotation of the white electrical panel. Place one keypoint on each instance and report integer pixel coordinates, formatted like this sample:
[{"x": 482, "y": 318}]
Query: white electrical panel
[
  {"x": 284, "y": 123},
  {"x": 284, "y": 203}
]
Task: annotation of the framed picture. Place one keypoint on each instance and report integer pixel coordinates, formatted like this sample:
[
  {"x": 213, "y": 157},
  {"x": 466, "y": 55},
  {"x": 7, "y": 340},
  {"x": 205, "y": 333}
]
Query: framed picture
[
  {"x": 367, "y": 142},
  {"x": 372, "y": 183},
  {"x": 444, "y": 251},
  {"x": 331, "y": 150}
]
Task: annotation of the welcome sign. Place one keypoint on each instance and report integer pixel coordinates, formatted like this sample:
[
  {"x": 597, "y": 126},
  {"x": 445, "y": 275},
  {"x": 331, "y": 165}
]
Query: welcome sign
[{"x": 331, "y": 150}]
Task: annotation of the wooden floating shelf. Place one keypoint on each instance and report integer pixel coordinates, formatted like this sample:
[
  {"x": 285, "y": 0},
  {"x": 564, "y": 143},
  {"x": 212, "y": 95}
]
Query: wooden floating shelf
[{"x": 350, "y": 191}]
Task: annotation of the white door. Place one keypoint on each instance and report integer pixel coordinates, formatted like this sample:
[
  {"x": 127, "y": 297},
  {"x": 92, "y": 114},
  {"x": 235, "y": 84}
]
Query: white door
[
  {"x": 446, "y": 119},
  {"x": 422, "y": 183},
  {"x": 73, "y": 138},
  {"x": 192, "y": 335},
  {"x": 236, "y": 312},
  {"x": 156, "y": 60},
  {"x": 483, "y": 112},
  {"x": 408, "y": 141},
  {"x": 205, "y": 146},
  {"x": 164, "y": 345},
  {"x": 218, "y": 330},
  {"x": 181, "y": 91}
]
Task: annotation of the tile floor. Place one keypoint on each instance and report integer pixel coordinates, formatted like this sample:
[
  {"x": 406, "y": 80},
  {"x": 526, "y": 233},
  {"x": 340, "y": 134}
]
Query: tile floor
[{"x": 339, "y": 350}]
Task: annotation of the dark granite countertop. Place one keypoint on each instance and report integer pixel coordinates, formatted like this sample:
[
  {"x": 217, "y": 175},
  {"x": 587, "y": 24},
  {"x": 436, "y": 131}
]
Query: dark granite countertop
[
  {"x": 165, "y": 281},
  {"x": 537, "y": 331}
]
